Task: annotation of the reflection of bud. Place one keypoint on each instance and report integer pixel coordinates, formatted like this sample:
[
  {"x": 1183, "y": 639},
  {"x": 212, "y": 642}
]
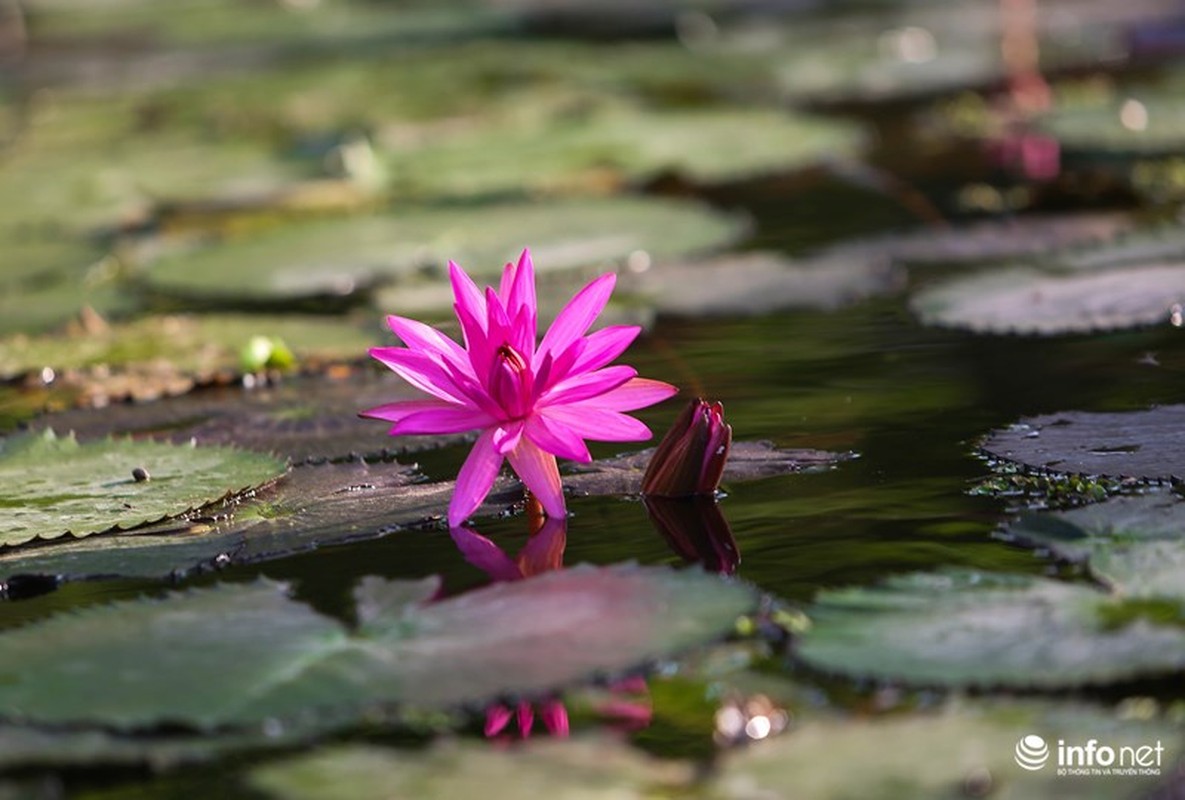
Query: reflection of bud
[
  {"x": 696, "y": 530},
  {"x": 690, "y": 458}
]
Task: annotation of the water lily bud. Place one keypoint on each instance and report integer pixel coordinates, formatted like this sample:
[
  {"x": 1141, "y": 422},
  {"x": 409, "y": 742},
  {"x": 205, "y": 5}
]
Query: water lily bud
[{"x": 690, "y": 458}]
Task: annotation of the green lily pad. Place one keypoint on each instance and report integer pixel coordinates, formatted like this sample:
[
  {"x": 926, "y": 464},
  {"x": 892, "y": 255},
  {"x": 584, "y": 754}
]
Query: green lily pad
[
  {"x": 278, "y": 658},
  {"x": 1027, "y": 301},
  {"x": 56, "y": 486},
  {"x": 1135, "y": 544},
  {"x": 759, "y": 283},
  {"x": 168, "y": 354},
  {"x": 963, "y": 628},
  {"x": 339, "y": 256},
  {"x": 1147, "y": 124},
  {"x": 1144, "y": 445}
]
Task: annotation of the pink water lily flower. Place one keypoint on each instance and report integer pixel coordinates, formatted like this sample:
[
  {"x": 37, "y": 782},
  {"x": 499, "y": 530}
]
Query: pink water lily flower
[{"x": 531, "y": 401}]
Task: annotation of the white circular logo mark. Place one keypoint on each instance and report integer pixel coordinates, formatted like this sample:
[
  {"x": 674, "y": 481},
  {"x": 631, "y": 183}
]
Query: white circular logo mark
[{"x": 1032, "y": 752}]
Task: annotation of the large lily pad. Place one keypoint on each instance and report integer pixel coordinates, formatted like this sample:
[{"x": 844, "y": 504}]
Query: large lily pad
[
  {"x": 1145, "y": 445},
  {"x": 336, "y": 257},
  {"x": 760, "y": 283},
  {"x": 962, "y": 628},
  {"x": 56, "y": 486},
  {"x": 167, "y": 355},
  {"x": 1135, "y": 544},
  {"x": 278, "y": 658},
  {"x": 1031, "y": 302},
  {"x": 306, "y": 418}
]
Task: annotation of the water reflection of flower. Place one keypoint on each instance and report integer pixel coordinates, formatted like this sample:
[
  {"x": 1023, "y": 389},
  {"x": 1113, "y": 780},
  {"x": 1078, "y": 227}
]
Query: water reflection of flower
[{"x": 628, "y": 704}]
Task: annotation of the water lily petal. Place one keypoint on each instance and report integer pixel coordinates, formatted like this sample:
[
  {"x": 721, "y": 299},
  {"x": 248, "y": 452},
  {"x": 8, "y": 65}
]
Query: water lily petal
[
  {"x": 506, "y": 436},
  {"x": 447, "y": 419},
  {"x": 497, "y": 718},
  {"x": 598, "y": 424},
  {"x": 556, "y": 438},
  {"x": 538, "y": 470},
  {"x": 601, "y": 347},
  {"x": 555, "y": 718},
  {"x": 578, "y": 314},
  {"x": 467, "y": 294},
  {"x": 526, "y": 719},
  {"x": 393, "y": 412},
  {"x": 421, "y": 337},
  {"x": 586, "y": 385},
  {"x": 544, "y": 551},
  {"x": 486, "y": 556},
  {"x": 421, "y": 371},
  {"x": 636, "y": 393},
  {"x": 476, "y": 477}
]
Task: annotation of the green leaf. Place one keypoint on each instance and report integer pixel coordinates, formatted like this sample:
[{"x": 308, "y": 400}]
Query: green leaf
[
  {"x": 1145, "y": 445},
  {"x": 962, "y": 628},
  {"x": 55, "y": 486},
  {"x": 336, "y": 257},
  {"x": 1135, "y": 544},
  {"x": 275, "y": 658}
]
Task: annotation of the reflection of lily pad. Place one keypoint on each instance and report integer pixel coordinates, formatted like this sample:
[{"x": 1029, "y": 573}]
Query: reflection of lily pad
[
  {"x": 962, "y": 628},
  {"x": 56, "y": 486},
  {"x": 1147, "y": 445},
  {"x": 1030, "y": 302},
  {"x": 338, "y": 256},
  {"x": 174, "y": 351},
  {"x": 760, "y": 283},
  {"x": 307, "y": 418},
  {"x": 1136, "y": 544},
  {"x": 276, "y": 658}
]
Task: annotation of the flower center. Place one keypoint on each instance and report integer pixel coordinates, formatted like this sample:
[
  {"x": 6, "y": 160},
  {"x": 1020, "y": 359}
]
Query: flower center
[{"x": 511, "y": 382}]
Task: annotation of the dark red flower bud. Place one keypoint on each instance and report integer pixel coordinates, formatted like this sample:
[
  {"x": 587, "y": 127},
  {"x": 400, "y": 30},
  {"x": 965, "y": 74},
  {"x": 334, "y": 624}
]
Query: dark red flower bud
[{"x": 690, "y": 458}]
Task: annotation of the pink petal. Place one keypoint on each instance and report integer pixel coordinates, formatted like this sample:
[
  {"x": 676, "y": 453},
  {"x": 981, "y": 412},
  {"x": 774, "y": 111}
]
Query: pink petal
[
  {"x": 598, "y": 424},
  {"x": 475, "y": 479},
  {"x": 522, "y": 291},
  {"x": 556, "y": 438},
  {"x": 586, "y": 385},
  {"x": 450, "y": 419},
  {"x": 506, "y": 437},
  {"x": 420, "y": 371},
  {"x": 555, "y": 718},
  {"x": 526, "y": 719},
  {"x": 539, "y": 472},
  {"x": 419, "y": 336},
  {"x": 466, "y": 292},
  {"x": 578, "y": 314},
  {"x": 636, "y": 393},
  {"x": 497, "y": 718},
  {"x": 604, "y": 345},
  {"x": 486, "y": 556},
  {"x": 476, "y": 341},
  {"x": 393, "y": 412}
]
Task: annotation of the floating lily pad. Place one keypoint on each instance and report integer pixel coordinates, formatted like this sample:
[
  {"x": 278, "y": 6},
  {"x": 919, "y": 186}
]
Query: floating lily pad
[
  {"x": 336, "y": 257},
  {"x": 760, "y": 283},
  {"x": 593, "y": 768},
  {"x": 1031, "y": 302},
  {"x": 56, "y": 486},
  {"x": 1135, "y": 544},
  {"x": 962, "y": 628},
  {"x": 168, "y": 354},
  {"x": 746, "y": 461},
  {"x": 1145, "y": 125},
  {"x": 1146, "y": 445},
  {"x": 278, "y": 658},
  {"x": 306, "y": 418}
]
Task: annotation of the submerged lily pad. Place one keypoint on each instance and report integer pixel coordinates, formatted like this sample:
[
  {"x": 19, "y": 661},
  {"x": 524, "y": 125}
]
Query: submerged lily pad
[
  {"x": 1135, "y": 544},
  {"x": 1031, "y": 302},
  {"x": 339, "y": 256},
  {"x": 962, "y": 628},
  {"x": 1145, "y": 445},
  {"x": 56, "y": 486},
  {"x": 278, "y": 658},
  {"x": 760, "y": 283}
]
